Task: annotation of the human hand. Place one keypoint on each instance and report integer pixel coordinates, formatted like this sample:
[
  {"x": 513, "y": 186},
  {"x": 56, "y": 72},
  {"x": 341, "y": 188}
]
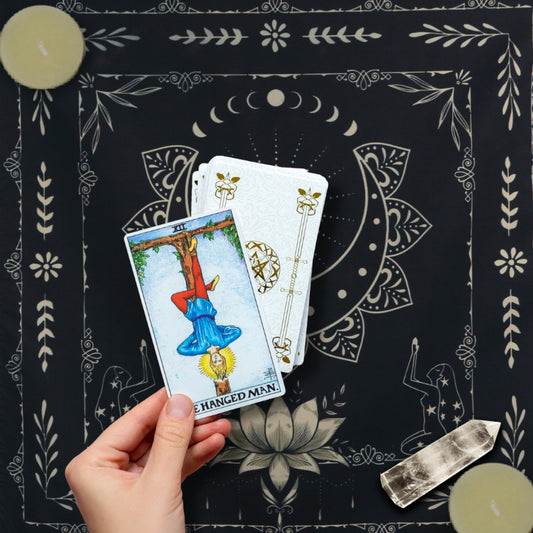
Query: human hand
[{"x": 129, "y": 478}]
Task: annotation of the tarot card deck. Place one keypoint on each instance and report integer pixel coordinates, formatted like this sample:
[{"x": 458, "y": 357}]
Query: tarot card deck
[
  {"x": 226, "y": 291},
  {"x": 280, "y": 210}
]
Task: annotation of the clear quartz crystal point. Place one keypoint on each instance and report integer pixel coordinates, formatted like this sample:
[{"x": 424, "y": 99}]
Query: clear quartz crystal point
[{"x": 423, "y": 471}]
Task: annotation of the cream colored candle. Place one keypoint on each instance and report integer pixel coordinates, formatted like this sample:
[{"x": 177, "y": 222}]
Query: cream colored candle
[
  {"x": 41, "y": 47},
  {"x": 492, "y": 498}
]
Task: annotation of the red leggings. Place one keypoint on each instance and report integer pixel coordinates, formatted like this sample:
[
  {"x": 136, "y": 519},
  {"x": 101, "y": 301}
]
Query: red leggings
[{"x": 199, "y": 289}]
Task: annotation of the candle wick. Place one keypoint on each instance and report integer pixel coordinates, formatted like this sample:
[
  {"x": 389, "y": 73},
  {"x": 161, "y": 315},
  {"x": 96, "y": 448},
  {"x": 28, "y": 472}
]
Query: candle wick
[
  {"x": 43, "y": 49},
  {"x": 494, "y": 509}
]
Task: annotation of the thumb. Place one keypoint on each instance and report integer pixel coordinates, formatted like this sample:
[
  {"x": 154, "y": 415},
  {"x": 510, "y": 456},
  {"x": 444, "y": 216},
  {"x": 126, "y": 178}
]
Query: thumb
[{"x": 171, "y": 441}]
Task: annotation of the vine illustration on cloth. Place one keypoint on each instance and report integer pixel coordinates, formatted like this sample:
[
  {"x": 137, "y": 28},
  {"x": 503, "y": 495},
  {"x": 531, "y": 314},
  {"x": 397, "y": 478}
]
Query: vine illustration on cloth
[
  {"x": 233, "y": 37},
  {"x": 510, "y": 69},
  {"x": 449, "y": 111},
  {"x": 274, "y": 35},
  {"x": 510, "y": 304},
  {"x": 509, "y": 220},
  {"x": 513, "y": 435},
  {"x": 44, "y": 224},
  {"x": 118, "y": 96},
  {"x": 329, "y": 36},
  {"x": 46, "y": 457},
  {"x": 99, "y": 39},
  {"x": 42, "y": 99},
  {"x": 45, "y": 308}
]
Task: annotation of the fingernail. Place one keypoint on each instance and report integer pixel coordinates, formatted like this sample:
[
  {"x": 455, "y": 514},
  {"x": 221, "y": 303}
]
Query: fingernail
[{"x": 179, "y": 406}]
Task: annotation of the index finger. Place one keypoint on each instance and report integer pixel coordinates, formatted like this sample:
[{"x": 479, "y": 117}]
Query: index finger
[{"x": 130, "y": 429}]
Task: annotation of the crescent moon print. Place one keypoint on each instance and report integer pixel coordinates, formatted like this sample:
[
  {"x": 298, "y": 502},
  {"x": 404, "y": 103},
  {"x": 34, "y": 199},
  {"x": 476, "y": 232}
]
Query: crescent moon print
[
  {"x": 248, "y": 101},
  {"x": 334, "y": 116},
  {"x": 213, "y": 116},
  {"x": 363, "y": 227},
  {"x": 352, "y": 130},
  {"x": 318, "y": 105},
  {"x": 229, "y": 106},
  {"x": 299, "y": 96},
  {"x": 197, "y": 131}
]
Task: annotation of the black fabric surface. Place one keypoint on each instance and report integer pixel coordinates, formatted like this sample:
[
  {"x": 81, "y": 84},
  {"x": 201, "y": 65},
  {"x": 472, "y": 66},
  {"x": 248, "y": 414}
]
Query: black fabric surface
[{"x": 427, "y": 234}]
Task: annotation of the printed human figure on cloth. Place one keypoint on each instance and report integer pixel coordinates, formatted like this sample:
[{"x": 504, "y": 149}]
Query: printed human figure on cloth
[
  {"x": 120, "y": 391},
  {"x": 442, "y": 407},
  {"x": 201, "y": 306}
]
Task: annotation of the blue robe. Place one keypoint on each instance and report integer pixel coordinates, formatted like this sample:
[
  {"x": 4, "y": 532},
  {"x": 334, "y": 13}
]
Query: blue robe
[{"x": 206, "y": 333}]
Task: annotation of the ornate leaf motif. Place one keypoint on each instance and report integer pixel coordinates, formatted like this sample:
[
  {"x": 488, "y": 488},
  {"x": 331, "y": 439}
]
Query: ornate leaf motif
[
  {"x": 42, "y": 98},
  {"x": 509, "y": 220},
  {"x": 46, "y": 456},
  {"x": 390, "y": 290},
  {"x": 119, "y": 96},
  {"x": 480, "y": 36},
  {"x": 224, "y": 36},
  {"x": 343, "y": 340},
  {"x": 99, "y": 39},
  {"x": 45, "y": 308},
  {"x": 509, "y": 304},
  {"x": 316, "y": 36},
  {"x": 386, "y": 162},
  {"x": 449, "y": 110},
  {"x": 44, "y": 225},
  {"x": 406, "y": 226},
  {"x": 513, "y": 435}
]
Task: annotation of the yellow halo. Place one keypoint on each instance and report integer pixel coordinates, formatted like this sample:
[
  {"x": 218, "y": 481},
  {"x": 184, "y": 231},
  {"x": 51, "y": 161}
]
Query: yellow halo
[{"x": 205, "y": 367}]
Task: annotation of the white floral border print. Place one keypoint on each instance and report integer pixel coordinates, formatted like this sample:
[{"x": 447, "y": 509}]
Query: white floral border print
[{"x": 91, "y": 354}]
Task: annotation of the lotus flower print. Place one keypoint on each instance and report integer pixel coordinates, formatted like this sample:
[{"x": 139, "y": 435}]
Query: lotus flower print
[{"x": 280, "y": 440}]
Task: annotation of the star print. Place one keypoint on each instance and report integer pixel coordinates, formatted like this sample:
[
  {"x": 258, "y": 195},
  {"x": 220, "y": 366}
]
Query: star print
[
  {"x": 457, "y": 419},
  {"x": 126, "y": 408},
  {"x": 112, "y": 405},
  {"x": 444, "y": 381},
  {"x": 111, "y": 418},
  {"x": 431, "y": 410},
  {"x": 457, "y": 405},
  {"x": 100, "y": 411},
  {"x": 442, "y": 416},
  {"x": 419, "y": 444},
  {"x": 114, "y": 384},
  {"x": 443, "y": 402}
]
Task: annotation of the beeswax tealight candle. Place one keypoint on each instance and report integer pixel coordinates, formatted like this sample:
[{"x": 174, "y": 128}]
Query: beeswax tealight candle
[
  {"x": 492, "y": 498},
  {"x": 41, "y": 47}
]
